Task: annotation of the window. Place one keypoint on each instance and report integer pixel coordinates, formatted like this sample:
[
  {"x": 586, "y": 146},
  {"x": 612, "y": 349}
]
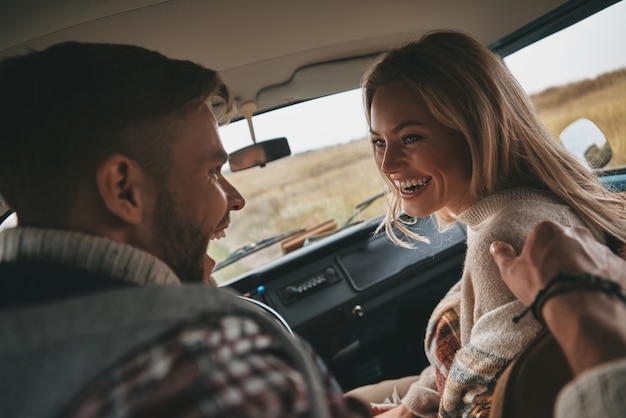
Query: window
[{"x": 580, "y": 72}]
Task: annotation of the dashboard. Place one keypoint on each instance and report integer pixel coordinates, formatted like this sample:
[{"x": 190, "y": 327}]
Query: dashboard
[{"x": 359, "y": 300}]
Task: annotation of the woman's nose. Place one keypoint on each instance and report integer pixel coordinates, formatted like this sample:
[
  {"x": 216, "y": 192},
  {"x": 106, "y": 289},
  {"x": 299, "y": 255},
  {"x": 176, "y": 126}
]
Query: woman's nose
[{"x": 391, "y": 159}]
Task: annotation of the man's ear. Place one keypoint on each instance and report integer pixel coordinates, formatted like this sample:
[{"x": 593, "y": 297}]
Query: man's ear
[{"x": 121, "y": 184}]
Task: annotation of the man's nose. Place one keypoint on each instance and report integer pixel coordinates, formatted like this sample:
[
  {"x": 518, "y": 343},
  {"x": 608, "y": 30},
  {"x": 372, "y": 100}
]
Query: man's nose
[{"x": 235, "y": 200}]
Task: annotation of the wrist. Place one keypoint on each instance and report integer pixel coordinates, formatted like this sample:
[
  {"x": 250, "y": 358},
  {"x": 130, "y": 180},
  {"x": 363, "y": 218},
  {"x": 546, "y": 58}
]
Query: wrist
[
  {"x": 575, "y": 306},
  {"x": 568, "y": 283}
]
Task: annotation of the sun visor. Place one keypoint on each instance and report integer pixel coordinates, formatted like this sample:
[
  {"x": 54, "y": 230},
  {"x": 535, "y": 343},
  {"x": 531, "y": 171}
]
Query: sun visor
[{"x": 317, "y": 80}]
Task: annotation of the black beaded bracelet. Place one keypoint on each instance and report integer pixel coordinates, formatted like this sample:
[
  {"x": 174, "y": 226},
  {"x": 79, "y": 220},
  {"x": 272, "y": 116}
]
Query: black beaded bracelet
[{"x": 566, "y": 282}]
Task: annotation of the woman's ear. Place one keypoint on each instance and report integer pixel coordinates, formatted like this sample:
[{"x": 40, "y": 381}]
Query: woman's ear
[{"x": 121, "y": 184}]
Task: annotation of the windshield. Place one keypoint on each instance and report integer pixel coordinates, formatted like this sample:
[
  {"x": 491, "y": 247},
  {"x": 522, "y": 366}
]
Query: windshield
[
  {"x": 579, "y": 72},
  {"x": 329, "y": 173}
]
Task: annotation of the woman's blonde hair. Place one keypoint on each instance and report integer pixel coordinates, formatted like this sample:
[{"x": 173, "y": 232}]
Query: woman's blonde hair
[{"x": 468, "y": 89}]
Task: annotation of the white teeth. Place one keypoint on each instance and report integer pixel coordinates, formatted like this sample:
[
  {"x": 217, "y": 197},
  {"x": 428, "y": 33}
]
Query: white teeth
[
  {"x": 218, "y": 235},
  {"x": 405, "y": 184}
]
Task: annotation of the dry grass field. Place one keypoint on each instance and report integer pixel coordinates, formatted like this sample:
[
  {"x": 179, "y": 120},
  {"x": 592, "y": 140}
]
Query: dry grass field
[
  {"x": 603, "y": 100},
  {"x": 307, "y": 189}
]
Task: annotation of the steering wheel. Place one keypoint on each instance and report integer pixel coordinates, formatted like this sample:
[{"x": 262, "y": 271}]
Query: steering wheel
[{"x": 271, "y": 311}]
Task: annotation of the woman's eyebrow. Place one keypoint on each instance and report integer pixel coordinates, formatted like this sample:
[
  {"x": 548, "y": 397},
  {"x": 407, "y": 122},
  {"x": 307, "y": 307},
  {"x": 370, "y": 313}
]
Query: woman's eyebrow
[{"x": 401, "y": 126}]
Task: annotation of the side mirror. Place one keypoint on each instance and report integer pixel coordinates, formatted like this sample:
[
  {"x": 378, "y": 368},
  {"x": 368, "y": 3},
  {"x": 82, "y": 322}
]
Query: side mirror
[
  {"x": 587, "y": 143},
  {"x": 259, "y": 154}
]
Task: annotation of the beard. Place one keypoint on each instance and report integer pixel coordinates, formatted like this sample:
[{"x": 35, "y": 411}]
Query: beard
[{"x": 181, "y": 243}]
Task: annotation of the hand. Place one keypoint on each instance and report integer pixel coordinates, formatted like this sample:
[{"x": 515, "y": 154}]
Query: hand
[
  {"x": 551, "y": 248},
  {"x": 399, "y": 411}
]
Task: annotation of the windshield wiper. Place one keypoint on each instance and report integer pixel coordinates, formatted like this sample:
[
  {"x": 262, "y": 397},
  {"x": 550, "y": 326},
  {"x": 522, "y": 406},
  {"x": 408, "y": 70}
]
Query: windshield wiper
[
  {"x": 362, "y": 206},
  {"x": 254, "y": 247},
  {"x": 356, "y": 212},
  {"x": 248, "y": 249}
]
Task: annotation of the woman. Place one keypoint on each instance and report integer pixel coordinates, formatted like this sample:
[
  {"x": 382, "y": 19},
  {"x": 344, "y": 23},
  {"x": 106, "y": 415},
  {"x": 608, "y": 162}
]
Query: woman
[{"x": 455, "y": 135}]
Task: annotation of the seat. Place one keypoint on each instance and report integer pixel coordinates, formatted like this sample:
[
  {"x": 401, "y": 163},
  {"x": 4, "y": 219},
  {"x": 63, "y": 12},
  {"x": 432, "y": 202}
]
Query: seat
[{"x": 529, "y": 386}]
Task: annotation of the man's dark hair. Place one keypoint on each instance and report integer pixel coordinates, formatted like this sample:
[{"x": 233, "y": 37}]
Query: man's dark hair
[{"x": 64, "y": 109}]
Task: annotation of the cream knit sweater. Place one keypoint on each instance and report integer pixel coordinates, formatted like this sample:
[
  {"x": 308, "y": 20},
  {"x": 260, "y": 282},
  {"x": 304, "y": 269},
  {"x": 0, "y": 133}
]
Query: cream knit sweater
[{"x": 489, "y": 338}]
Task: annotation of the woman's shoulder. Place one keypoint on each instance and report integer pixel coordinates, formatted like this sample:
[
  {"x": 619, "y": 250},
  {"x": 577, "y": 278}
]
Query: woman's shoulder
[
  {"x": 516, "y": 206},
  {"x": 510, "y": 215},
  {"x": 527, "y": 206}
]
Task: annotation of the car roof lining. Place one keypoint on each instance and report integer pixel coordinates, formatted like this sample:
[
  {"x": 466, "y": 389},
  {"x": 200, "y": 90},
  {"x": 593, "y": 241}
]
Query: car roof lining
[{"x": 260, "y": 43}]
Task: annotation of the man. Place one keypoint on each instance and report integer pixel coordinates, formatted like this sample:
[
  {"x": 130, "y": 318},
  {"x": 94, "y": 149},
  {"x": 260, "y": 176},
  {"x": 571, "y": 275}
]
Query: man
[
  {"x": 112, "y": 161},
  {"x": 585, "y": 312}
]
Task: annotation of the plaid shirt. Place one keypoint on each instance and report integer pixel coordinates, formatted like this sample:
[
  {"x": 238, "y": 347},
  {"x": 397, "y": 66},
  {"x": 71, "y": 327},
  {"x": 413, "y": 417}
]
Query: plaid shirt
[{"x": 209, "y": 367}]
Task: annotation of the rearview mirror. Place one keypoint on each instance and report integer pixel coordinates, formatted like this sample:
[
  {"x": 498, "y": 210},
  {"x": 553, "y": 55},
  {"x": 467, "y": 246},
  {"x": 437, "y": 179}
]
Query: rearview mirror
[
  {"x": 587, "y": 143},
  {"x": 259, "y": 154}
]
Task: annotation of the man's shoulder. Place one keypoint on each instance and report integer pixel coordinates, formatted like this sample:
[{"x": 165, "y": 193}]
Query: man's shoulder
[{"x": 31, "y": 283}]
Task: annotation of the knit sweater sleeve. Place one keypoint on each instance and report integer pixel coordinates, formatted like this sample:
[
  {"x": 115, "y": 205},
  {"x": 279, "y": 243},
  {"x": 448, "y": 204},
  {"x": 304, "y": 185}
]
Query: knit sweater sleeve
[
  {"x": 422, "y": 398},
  {"x": 599, "y": 392}
]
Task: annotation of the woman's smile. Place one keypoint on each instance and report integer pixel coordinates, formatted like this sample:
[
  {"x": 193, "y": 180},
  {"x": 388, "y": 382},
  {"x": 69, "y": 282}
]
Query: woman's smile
[{"x": 411, "y": 187}]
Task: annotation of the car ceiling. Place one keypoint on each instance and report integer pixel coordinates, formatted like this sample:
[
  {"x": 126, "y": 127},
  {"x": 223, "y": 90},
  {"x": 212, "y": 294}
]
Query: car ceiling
[{"x": 256, "y": 45}]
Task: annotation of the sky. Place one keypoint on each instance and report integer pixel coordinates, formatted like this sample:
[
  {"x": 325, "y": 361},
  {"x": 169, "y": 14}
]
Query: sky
[
  {"x": 594, "y": 46},
  {"x": 309, "y": 125},
  {"x": 598, "y": 46}
]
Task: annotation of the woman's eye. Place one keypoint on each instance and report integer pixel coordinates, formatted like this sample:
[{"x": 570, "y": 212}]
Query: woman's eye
[
  {"x": 409, "y": 139},
  {"x": 377, "y": 142}
]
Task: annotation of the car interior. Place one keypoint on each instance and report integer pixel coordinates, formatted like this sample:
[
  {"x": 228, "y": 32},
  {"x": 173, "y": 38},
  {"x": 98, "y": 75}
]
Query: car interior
[{"x": 360, "y": 301}]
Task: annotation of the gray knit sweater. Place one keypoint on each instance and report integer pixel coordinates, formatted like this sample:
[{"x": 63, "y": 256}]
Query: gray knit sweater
[
  {"x": 600, "y": 392},
  {"x": 50, "y": 351}
]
